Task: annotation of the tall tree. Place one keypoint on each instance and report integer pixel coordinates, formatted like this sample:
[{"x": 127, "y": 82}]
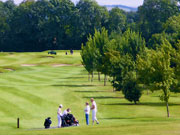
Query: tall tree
[
  {"x": 117, "y": 20},
  {"x": 172, "y": 29},
  {"x": 88, "y": 56},
  {"x": 122, "y": 56},
  {"x": 91, "y": 17},
  {"x": 160, "y": 74},
  {"x": 61, "y": 22},
  {"x": 131, "y": 43},
  {"x": 153, "y": 13},
  {"x": 6, "y": 12}
]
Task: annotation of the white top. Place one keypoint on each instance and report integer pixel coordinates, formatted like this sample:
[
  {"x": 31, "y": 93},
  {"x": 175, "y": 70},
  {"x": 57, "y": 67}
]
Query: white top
[
  {"x": 95, "y": 106},
  {"x": 65, "y": 112},
  {"x": 87, "y": 109},
  {"x": 59, "y": 112}
]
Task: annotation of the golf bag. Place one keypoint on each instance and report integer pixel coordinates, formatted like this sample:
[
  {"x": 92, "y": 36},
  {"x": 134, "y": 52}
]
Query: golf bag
[
  {"x": 69, "y": 120},
  {"x": 47, "y": 122}
]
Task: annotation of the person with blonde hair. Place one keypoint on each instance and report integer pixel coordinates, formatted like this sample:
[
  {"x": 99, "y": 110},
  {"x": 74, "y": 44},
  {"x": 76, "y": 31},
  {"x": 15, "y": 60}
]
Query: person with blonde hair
[{"x": 94, "y": 111}]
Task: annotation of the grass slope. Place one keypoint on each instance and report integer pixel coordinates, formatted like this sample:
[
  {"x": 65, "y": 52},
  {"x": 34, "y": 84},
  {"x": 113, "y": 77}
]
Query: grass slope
[{"x": 33, "y": 93}]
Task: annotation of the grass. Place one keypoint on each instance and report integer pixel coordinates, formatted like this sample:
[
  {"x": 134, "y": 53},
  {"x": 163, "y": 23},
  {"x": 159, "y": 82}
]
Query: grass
[{"x": 33, "y": 93}]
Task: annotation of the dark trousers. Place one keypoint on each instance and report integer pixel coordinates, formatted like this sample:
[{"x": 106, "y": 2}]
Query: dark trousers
[
  {"x": 47, "y": 126},
  {"x": 87, "y": 119}
]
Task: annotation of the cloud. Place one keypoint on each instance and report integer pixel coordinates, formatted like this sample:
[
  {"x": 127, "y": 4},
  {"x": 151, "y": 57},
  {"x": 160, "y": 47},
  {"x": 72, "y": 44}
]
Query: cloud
[{"x": 131, "y": 3}]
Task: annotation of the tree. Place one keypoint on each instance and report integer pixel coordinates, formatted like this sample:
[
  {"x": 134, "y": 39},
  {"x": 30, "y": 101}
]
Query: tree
[
  {"x": 91, "y": 16},
  {"x": 6, "y": 12},
  {"x": 101, "y": 40},
  {"x": 131, "y": 20},
  {"x": 156, "y": 40},
  {"x": 88, "y": 56},
  {"x": 117, "y": 20},
  {"x": 95, "y": 48},
  {"x": 175, "y": 63},
  {"x": 24, "y": 28},
  {"x": 160, "y": 74},
  {"x": 121, "y": 55},
  {"x": 172, "y": 28},
  {"x": 35, "y": 25},
  {"x": 153, "y": 13},
  {"x": 120, "y": 66},
  {"x": 60, "y": 24},
  {"x": 131, "y": 43},
  {"x": 130, "y": 87}
]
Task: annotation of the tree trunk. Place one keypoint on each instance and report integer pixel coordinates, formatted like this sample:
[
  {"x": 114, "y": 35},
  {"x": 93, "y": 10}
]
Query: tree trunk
[
  {"x": 105, "y": 79},
  {"x": 89, "y": 77},
  {"x": 167, "y": 106},
  {"x": 99, "y": 76},
  {"x": 92, "y": 77}
]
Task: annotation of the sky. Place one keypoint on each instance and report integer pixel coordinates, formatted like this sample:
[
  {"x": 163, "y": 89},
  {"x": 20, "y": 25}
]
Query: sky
[{"x": 130, "y": 3}]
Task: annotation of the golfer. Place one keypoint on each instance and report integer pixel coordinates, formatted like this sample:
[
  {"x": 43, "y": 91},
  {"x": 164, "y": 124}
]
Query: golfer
[
  {"x": 59, "y": 114},
  {"x": 67, "y": 111},
  {"x": 87, "y": 112},
  {"x": 94, "y": 111}
]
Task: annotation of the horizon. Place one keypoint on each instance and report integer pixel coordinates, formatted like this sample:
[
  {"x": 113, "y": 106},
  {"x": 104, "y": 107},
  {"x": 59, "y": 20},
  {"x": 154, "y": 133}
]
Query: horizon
[{"x": 129, "y": 3}]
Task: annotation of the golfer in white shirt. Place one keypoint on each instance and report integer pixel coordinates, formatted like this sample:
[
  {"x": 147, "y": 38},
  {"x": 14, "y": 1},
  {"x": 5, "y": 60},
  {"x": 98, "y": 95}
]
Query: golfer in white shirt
[
  {"x": 94, "y": 111},
  {"x": 87, "y": 112},
  {"x": 66, "y": 112},
  {"x": 59, "y": 114}
]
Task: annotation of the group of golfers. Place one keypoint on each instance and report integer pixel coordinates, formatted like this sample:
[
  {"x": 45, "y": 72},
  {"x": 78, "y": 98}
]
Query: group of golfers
[{"x": 87, "y": 110}]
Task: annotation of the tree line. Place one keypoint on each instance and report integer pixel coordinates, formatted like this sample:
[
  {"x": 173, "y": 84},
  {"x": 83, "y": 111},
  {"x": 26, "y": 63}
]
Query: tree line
[
  {"x": 53, "y": 24},
  {"x": 144, "y": 56},
  {"x": 60, "y": 24}
]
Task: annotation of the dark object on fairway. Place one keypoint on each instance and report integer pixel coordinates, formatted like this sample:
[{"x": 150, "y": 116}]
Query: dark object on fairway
[
  {"x": 66, "y": 53},
  {"x": 17, "y": 122},
  {"x": 71, "y": 51},
  {"x": 52, "y": 52},
  {"x": 69, "y": 120},
  {"x": 47, "y": 122}
]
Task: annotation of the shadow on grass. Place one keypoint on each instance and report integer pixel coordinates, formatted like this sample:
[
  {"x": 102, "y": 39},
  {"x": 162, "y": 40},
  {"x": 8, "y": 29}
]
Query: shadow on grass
[
  {"x": 43, "y": 128},
  {"x": 88, "y": 91},
  {"x": 105, "y": 97},
  {"x": 145, "y": 104},
  {"x": 159, "y": 96},
  {"x": 61, "y": 85},
  {"x": 116, "y": 118},
  {"x": 75, "y": 77},
  {"x": 46, "y": 57}
]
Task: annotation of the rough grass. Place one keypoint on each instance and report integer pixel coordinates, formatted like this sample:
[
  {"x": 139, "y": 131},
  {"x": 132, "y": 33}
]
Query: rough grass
[{"x": 34, "y": 93}]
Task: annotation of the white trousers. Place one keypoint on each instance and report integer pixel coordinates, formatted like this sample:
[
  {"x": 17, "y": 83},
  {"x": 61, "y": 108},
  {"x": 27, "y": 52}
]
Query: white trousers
[
  {"x": 59, "y": 121},
  {"x": 94, "y": 115}
]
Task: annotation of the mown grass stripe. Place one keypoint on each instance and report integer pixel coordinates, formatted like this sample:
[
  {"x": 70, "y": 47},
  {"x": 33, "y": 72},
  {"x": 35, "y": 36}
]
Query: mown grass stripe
[
  {"x": 12, "y": 110},
  {"x": 25, "y": 95}
]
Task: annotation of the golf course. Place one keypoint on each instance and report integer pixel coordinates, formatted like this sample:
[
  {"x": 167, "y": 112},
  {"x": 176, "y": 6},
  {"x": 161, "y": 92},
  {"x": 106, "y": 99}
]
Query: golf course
[{"x": 32, "y": 85}]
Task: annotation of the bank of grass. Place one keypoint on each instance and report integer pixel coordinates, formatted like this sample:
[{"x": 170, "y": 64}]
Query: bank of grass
[{"x": 34, "y": 93}]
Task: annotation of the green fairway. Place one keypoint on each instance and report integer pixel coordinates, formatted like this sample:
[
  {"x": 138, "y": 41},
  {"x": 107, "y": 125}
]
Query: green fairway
[{"x": 32, "y": 85}]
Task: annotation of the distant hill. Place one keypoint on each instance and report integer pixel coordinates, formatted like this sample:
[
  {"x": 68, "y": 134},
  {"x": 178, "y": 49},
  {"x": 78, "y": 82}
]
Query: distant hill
[{"x": 126, "y": 8}]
